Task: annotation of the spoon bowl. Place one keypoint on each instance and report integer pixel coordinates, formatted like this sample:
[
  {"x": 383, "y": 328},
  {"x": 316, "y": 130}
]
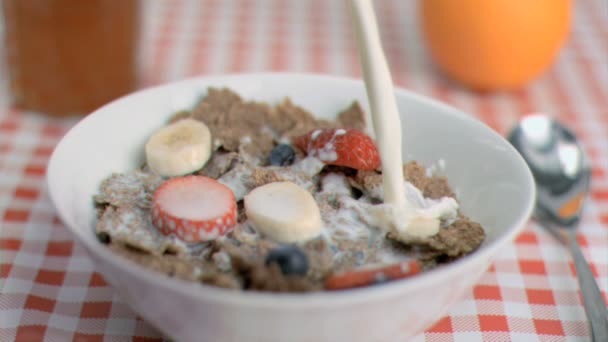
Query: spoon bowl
[{"x": 562, "y": 174}]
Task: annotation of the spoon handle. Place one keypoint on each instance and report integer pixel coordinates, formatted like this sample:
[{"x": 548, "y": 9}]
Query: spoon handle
[{"x": 595, "y": 307}]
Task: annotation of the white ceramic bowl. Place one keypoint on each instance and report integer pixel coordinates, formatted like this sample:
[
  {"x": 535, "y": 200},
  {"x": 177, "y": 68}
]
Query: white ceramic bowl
[{"x": 493, "y": 183}]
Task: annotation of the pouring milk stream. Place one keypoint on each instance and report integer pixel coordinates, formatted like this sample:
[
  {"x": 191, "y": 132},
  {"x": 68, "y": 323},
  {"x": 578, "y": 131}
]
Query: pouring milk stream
[{"x": 410, "y": 215}]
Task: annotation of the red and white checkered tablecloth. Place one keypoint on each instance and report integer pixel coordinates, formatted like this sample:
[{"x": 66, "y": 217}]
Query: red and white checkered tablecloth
[{"x": 49, "y": 289}]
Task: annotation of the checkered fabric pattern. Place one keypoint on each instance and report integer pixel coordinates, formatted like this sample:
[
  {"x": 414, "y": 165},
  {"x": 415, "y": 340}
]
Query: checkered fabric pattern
[{"x": 49, "y": 289}]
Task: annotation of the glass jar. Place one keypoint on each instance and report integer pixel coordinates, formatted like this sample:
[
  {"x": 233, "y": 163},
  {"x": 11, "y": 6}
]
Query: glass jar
[{"x": 68, "y": 57}]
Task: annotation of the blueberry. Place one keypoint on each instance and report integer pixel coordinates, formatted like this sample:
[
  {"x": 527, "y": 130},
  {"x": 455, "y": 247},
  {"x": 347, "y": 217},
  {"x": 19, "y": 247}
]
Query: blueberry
[
  {"x": 103, "y": 237},
  {"x": 282, "y": 155},
  {"x": 290, "y": 259}
]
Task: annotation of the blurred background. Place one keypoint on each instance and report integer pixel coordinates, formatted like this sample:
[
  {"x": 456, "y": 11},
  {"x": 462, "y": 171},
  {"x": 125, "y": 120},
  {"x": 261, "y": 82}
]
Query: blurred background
[{"x": 494, "y": 59}]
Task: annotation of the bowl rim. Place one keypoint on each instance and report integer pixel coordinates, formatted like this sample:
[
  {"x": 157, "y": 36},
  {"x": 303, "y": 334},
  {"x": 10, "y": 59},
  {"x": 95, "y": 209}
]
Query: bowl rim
[{"x": 292, "y": 301}]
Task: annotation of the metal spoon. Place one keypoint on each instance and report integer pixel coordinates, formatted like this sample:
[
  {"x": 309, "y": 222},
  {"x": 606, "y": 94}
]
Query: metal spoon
[{"x": 562, "y": 173}]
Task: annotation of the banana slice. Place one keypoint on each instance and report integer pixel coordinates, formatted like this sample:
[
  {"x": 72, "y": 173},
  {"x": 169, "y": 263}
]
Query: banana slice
[
  {"x": 179, "y": 148},
  {"x": 284, "y": 212}
]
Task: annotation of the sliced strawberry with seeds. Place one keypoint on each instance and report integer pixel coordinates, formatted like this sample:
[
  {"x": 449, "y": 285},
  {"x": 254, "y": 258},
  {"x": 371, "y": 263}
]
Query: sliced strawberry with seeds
[
  {"x": 343, "y": 147},
  {"x": 194, "y": 208},
  {"x": 370, "y": 276}
]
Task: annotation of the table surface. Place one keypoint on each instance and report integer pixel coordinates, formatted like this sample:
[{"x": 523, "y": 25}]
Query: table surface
[{"x": 49, "y": 290}]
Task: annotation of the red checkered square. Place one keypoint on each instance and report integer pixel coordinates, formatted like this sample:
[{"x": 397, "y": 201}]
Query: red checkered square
[
  {"x": 34, "y": 170},
  {"x": 59, "y": 248},
  {"x": 30, "y": 333},
  {"x": 527, "y": 237},
  {"x": 539, "y": 296},
  {"x": 10, "y": 244},
  {"x": 97, "y": 280},
  {"x": 96, "y": 309},
  {"x": 5, "y": 270},
  {"x": 604, "y": 219},
  {"x": 532, "y": 267},
  {"x": 600, "y": 194},
  {"x": 50, "y": 277},
  {"x": 43, "y": 151},
  {"x": 443, "y": 326},
  {"x": 493, "y": 323},
  {"x": 487, "y": 292},
  {"x": 582, "y": 241},
  {"x": 8, "y": 127},
  {"x": 16, "y": 215},
  {"x": 548, "y": 327},
  {"x": 80, "y": 337},
  {"x": 598, "y": 172},
  {"x": 39, "y": 303},
  {"x": 53, "y": 131},
  {"x": 26, "y": 193}
]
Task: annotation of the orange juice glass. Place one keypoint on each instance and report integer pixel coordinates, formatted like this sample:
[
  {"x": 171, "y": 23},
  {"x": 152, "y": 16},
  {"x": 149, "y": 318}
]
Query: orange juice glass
[{"x": 68, "y": 57}]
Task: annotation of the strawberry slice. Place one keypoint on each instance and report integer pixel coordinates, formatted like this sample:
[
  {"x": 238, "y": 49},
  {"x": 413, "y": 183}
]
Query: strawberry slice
[
  {"x": 370, "y": 276},
  {"x": 194, "y": 208},
  {"x": 344, "y": 147}
]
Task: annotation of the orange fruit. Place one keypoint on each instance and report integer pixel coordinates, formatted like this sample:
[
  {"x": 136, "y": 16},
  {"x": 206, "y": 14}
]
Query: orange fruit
[{"x": 494, "y": 44}]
